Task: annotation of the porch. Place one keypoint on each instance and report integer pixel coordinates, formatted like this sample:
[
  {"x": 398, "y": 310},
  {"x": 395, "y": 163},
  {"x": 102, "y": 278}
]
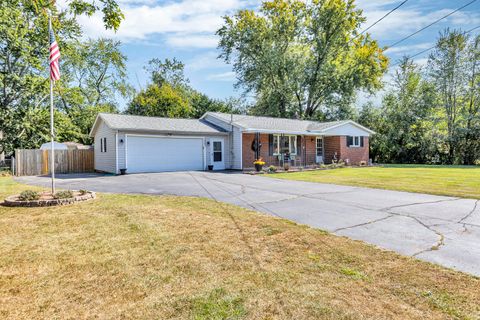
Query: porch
[{"x": 302, "y": 150}]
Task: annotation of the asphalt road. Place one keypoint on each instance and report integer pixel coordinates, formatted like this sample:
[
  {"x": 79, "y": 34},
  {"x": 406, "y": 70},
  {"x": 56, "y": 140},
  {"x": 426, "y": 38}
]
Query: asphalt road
[{"x": 443, "y": 230}]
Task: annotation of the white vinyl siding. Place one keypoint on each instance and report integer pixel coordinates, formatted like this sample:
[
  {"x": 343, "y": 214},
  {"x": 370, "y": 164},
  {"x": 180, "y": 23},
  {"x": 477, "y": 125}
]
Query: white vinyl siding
[
  {"x": 236, "y": 150},
  {"x": 347, "y": 129},
  {"x": 121, "y": 151},
  {"x": 105, "y": 161},
  {"x": 233, "y": 143}
]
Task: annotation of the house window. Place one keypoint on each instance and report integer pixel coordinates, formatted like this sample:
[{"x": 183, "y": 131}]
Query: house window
[
  {"x": 354, "y": 141},
  {"x": 319, "y": 147},
  {"x": 217, "y": 151},
  {"x": 284, "y": 144},
  {"x": 103, "y": 144}
]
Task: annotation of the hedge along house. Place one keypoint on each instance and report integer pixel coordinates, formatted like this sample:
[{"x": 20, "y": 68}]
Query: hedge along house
[{"x": 222, "y": 141}]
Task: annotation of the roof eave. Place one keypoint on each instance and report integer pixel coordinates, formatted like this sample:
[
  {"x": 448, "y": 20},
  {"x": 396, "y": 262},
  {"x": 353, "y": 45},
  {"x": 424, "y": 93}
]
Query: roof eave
[
  {"x": 170, "y": 132},
  {"x": 347, "y": 122},
  {"x": 233, "y": 123},
  {"x": 293, "y": 132}
]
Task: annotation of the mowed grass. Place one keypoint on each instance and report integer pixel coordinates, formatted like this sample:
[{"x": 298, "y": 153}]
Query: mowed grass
[
  {"x": 457, "y": 181},
  {"x": 165, "y": 257}
]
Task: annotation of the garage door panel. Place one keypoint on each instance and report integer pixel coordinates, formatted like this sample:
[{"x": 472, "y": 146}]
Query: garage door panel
[{"x": 157, "y": 154}]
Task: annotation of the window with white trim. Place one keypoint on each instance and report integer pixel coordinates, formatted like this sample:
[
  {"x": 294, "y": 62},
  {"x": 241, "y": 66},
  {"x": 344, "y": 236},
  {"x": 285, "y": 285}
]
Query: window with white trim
[
  {"x": 284, "y": 144},
  {"x": 103, "y": 144},
  {"x": 354, "y": 141},
  {"x": 319, "y": 147}
]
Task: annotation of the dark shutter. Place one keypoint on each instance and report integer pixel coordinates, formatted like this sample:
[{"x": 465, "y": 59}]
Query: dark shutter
[
  {"x": 349, "y": 141},
  {"x": 299, "y": 146},
  {"x": 270, "y": 144},
  {"x": 105, "y": 144},
  {"x": 101, "y": 144},
  {"x": 361, "y": 142}
]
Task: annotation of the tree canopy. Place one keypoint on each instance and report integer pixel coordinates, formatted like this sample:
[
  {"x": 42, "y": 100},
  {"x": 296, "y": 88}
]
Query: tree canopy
[
  {"x": 299, "y": 57},
  {"x": 432, "y": 114},
  {"x": 170, "y": 95}
]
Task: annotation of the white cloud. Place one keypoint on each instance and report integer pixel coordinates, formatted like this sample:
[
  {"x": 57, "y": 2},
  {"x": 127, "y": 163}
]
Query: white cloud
[
  {"x": 192, "y": 40},
  {"x": 204, "y": 61},
  {"x": 195, "y": 20},
  {"x": 225, "y": 76},
  {"x": 411, "y": 49}
]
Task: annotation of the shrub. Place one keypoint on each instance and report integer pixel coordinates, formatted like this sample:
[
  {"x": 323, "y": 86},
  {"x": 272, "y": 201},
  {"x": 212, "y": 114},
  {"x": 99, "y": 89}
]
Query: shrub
[
  {"x": 477, "y": 162},
  {"x": 83, "y": 192},
  {"x": 29, "y": 195},
  {"x": 272, "y": 169},
  {"x": 63, "y": 194},
  {"x": 286, "y": 167},
  {"x": 5, "y": 173}
]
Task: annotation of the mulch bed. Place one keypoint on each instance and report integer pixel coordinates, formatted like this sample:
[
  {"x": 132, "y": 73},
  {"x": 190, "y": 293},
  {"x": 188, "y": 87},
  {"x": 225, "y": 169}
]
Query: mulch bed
[{"x": 46, "y": 199}]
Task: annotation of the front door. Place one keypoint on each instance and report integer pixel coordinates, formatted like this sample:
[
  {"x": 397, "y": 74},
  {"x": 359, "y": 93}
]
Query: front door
[
  {"x": 319, "y": 150},
  {"x": 217, "y": 156}
]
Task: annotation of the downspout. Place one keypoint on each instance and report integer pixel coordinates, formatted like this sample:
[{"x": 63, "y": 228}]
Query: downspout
[
  {"x": 232, "y": 152},
  {"x": 116, "y": 152}
]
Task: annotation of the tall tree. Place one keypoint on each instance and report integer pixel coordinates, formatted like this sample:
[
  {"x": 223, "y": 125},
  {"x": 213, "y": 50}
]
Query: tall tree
[
  {"x": 301, "y": 54},
  {"x": 95, "y": 71},
  {"x": 447, "y": 69},
  {"x": 170, "y": 94},
  {"x": 23, "y": 64},
  {"x": 472, "y": 103},
  {"x": 159, "y": 101}
]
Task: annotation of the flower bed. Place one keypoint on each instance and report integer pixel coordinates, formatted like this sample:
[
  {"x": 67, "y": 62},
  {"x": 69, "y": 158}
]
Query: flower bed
[{"x": 46, "y": 199}]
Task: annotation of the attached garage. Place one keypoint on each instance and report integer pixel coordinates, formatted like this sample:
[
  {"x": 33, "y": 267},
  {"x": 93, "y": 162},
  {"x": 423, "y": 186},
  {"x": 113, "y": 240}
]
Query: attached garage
[
  {"x": 137, "y": 144},
  {"x": 158, "y": 154}
]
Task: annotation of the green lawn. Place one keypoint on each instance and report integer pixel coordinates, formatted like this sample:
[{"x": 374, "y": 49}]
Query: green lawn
[
  {"x": 165, "y": 257},
  {"x": 458, "y": 181}
]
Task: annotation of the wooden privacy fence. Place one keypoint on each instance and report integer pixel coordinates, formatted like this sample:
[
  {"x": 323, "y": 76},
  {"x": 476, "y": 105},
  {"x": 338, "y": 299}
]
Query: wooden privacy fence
[{"x": 37, "y": 162}]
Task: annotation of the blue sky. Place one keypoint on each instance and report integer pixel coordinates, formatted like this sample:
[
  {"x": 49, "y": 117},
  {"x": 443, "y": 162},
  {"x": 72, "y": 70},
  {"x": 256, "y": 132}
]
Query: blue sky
[{"x": 185, "y": 29}]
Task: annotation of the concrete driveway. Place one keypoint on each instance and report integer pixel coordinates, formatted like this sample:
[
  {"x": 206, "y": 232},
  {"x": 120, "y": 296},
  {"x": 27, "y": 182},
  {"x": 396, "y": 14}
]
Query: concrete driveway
[{"x": 442, "y": 230}]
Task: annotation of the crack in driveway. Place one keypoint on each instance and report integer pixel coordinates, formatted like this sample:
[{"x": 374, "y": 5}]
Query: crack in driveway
[{"x": 363, "y": 224}]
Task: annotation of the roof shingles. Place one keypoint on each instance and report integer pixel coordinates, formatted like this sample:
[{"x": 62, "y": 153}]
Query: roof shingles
[
  {"x": 275, "y": 124},
  {"x": 155, "y": 124}
]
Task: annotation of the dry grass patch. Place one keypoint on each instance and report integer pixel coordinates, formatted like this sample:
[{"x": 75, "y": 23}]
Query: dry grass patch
[{"x": 146, "y": 257}]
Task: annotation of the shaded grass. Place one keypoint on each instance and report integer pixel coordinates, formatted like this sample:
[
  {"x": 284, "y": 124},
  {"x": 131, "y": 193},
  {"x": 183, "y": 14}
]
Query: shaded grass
[
  {"x": 147, "y": 257},
  {"x": 457, "y": 181}
]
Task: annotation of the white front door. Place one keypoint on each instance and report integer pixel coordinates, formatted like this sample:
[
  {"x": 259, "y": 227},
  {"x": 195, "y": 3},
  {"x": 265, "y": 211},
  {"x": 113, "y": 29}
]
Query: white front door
[
  {"x": 319, "y": 150},
  {"x": 217, "y": 155}
]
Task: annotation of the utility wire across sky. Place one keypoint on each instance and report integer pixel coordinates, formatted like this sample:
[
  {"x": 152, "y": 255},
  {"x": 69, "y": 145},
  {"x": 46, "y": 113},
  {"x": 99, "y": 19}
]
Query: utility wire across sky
[
  {"x": 431, "y": 24},
  {"x": 386, "y": 15},
  {"x": 432, "y": 47}
]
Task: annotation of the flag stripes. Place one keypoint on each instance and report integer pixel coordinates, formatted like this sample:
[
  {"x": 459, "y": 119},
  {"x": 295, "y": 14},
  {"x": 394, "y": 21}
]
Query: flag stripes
[{"x": 54, "y": 57}]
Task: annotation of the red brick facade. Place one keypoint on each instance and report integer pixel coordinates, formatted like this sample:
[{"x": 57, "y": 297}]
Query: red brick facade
[
  {"x": 306, "y": 150},
  {"x": 351, "y": 155}
]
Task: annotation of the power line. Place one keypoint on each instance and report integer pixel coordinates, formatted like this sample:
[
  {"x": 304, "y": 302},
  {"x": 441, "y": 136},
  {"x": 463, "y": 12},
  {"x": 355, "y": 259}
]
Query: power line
[
  {"x": 432, "y": 47},
  {"x": 428, "y": 26},
  {"x": 386, "y": 15}
]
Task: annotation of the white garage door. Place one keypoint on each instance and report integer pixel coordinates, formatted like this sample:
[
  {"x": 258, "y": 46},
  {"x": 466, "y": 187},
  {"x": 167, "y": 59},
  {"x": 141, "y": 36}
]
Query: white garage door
[{"x": 157, "y": 154}]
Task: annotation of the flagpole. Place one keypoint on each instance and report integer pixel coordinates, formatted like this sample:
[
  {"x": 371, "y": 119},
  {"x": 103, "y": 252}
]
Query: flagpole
[{"x": 52, "y": 132}]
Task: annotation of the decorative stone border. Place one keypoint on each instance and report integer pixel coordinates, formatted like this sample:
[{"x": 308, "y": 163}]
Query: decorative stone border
[{"x": 13, "y": 201}]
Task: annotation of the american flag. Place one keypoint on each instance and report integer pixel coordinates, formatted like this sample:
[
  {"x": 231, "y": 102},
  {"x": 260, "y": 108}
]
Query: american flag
[{"x": 54, "y": 56}]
